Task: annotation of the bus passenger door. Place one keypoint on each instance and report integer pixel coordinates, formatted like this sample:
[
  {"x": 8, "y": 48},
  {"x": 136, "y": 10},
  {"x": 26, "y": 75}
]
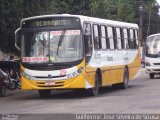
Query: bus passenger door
[
  {"x": 88, "y": 42},
  {"x": 88, "y": 53},
  {"x": 88, "y": 48}
]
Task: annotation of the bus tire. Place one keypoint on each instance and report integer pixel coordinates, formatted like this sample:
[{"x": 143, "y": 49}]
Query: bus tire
[
  {"x": 3, "y": 91},
  {"x": 151, "y": 75},
  {"x": 124, "y": 85},
  {"x": 95, "y": 90},
  {"x": 45, "y": 93}
]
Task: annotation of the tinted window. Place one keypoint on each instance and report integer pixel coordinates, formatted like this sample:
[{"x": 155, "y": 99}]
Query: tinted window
[
  {"x": 110, "y": 36},
  {"x": 87, "y": 29},
  {"x": 88, "y": 40},
  {"x": 118, "y": 35},
  {"x": 103, "y": 37},
  {"x": 97, "y": 44},
  {"x": 136, "y": 37},
  {"x": 132, "y": 39},
  {"x": 125, "y": 35}
]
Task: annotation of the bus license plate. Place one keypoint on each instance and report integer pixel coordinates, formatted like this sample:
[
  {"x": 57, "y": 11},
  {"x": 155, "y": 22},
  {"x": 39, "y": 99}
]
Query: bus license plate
[{"x": 49, "y": 83}]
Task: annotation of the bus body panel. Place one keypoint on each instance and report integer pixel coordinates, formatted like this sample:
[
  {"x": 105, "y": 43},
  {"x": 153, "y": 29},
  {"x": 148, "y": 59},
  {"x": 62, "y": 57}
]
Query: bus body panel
[
  {"x": 152, "y": 56},
  {"x": 83, "y": 80},
  {"x": 111, "y": 63},
  {"x": 154, "y": 65}
]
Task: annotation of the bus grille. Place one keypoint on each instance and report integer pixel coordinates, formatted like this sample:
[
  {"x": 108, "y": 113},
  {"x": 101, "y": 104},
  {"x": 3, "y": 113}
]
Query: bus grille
[
  {"x": 156, "y": 63},
  {"x": 57, "y": 84},
  {"x": 156, "y": 69},
  {"x": 45, "y": 77}
]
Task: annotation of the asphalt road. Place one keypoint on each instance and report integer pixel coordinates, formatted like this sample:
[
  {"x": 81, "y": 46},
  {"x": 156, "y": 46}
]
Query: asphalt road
[{"x": 142, "y": 96}]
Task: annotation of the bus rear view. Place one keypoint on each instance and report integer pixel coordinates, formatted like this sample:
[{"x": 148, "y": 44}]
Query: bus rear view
[{"x": 152, "y": 59}]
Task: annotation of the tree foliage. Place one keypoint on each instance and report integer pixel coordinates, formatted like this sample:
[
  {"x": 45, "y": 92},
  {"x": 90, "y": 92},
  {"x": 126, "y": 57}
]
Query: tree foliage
[{"x": 12, "y": 11}]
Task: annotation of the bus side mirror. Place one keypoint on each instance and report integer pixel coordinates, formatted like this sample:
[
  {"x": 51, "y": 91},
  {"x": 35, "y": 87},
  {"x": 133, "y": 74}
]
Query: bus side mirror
[{"x": 17, "y": 39}]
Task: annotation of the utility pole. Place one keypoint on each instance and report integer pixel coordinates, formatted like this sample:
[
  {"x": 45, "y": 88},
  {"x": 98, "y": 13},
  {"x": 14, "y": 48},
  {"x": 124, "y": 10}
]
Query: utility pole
[{"x": 141, "y": 8}]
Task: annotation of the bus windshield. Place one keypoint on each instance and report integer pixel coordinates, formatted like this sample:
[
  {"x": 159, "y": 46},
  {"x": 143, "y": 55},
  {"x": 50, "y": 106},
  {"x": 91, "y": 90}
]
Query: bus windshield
[
  {"x": 51, "y": 46},
  {"x": 153, "y": 46}
]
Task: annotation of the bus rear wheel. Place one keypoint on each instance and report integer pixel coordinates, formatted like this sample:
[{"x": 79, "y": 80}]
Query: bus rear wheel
[
  {"x": 95, "y": 90},
  {"x": 151, "y": 75},
  {"x": 124, "y": 85},
  {"x": 45, "y": 93}
]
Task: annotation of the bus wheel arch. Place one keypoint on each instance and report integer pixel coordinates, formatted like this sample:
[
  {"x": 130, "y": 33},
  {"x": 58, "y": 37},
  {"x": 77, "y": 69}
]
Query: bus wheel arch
[{"x": 97, "y": 83}]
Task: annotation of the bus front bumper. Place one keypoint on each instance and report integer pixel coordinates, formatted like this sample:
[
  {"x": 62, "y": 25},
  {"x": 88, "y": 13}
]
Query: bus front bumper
[
  {"x": 151, "y": 69},
  {"x": 73, "y": 83}
]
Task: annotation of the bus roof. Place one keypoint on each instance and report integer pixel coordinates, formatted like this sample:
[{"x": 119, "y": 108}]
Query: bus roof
[
  {"x": 153, "y": 35},
  {"x": 89, "y": 19}
]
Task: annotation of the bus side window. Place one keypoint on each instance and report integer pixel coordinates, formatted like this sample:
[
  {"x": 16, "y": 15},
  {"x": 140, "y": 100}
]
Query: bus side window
[
  {"x": 125, "y": 35},
  {"x": 136, "y": 37},
  {"x": 118, "y": 35},
  {"x": 104, "y": 43},
  {"x": 88, "y": 40},
  {"x": 122, "y": 38},
  {"x": 87, "y": 29},
  {"x": 132, "y": 39},
  {"x": 97, "y": 42},
  {"x": 110, "y": 37}
]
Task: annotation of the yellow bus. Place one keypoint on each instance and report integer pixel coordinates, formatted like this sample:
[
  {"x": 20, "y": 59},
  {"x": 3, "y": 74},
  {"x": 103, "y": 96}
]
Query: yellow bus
[{"x": 76, "y": 52}]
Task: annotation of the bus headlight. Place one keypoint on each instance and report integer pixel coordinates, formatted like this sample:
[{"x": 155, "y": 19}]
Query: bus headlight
[
  {"x": 27, "y": 76},
  {"x": 76, "y": 73}
]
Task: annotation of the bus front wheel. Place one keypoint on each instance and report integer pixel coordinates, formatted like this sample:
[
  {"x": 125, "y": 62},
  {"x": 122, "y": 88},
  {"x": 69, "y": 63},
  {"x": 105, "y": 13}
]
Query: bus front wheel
[
  {"x": 151, "y": 75},
  {"x": 95, "y": 90},
  {"x": 45, "y": 93}
]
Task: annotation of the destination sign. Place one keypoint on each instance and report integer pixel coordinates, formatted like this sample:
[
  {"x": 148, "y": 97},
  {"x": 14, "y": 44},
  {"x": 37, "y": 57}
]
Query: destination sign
[{"x": 51, "y": 22}]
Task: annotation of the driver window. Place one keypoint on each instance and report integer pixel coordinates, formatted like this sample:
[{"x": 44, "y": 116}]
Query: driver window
[{"x": 88, "y": 40}]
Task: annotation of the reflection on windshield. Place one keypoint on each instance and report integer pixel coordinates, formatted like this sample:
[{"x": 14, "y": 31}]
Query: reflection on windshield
[
  {"x": 40, "y": 44},
  {"x": 66, "y": 48},
  {"x": 153, "y": 46},
  {"x": 53, "y": 46}
]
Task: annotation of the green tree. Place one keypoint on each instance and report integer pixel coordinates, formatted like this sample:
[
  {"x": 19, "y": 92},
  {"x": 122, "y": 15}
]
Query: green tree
[
  {"x": 80, "y": 7},
  {"x": 151, "y": 18},
  {"x": 12, "y": 11},
  {"x": 37, "y": 7},
  {"x": 10, "y": 15}
]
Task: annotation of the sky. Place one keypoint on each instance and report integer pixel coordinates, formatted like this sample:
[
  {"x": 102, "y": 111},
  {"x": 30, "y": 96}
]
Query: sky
[
  {"x": 159, "y": 4},
  {"x": 158, "y": 1}
]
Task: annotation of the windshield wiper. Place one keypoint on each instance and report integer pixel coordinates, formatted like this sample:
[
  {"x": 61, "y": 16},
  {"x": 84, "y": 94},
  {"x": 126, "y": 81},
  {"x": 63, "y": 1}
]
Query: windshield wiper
[{"x": 61, "y": 40}]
